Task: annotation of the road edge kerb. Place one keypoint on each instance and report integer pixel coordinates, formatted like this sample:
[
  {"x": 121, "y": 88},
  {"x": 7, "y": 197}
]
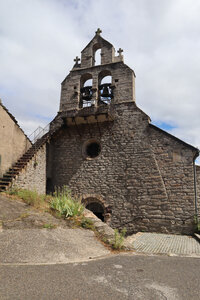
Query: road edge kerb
[
  {"x": 105, "y": 231},
  {"x": 197, "y": 237}
]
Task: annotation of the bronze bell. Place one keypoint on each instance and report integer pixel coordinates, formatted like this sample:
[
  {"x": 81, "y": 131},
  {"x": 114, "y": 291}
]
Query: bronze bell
[
  {"x": 105, "y": 92},
  {"x": 87, "y": 92}
]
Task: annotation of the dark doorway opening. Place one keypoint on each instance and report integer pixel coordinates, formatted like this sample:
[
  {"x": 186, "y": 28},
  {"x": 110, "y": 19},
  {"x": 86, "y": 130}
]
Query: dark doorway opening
[{"x": 97, "y": 209}]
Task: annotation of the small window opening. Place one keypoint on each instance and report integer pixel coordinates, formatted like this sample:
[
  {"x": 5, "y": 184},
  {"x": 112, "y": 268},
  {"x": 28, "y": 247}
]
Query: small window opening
[
  {"x": 97, "y": 57},
  {"x": 105, "y": 90},
  {"x": 97, "y": 209},
  {"x": 93, "y": 149}
]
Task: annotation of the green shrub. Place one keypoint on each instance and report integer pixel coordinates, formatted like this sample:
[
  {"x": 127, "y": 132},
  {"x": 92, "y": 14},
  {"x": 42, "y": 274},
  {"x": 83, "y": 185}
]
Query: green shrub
[
  {"x": 13, "y": 190},
  {"x": 87, "y": 223},
  {"x": 49, "y": 226},
  {"x": 197, "y": 223},
  {"x": 65, "y": 204},
  {"x": 30, "y": 197},
  {"x": 118, "y": 241}
]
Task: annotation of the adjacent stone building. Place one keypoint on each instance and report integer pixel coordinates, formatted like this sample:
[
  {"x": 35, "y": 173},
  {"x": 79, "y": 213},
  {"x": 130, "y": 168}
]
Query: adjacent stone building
[
  {"x": 13, "y": 142},
  {"x": 127, "y": 171}
]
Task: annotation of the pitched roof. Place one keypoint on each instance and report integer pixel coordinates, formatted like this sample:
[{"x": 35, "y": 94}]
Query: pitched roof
[{"x": 174, "y": 137}]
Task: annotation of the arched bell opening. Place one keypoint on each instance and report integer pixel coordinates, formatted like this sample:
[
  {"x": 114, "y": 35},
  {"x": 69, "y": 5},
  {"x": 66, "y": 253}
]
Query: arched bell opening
[
  {"x": 97, "y": 210},
  {"x": 86, "y": 91},
  {"x": 96, "y": 55},
  {"x": 105, "y": 87}
]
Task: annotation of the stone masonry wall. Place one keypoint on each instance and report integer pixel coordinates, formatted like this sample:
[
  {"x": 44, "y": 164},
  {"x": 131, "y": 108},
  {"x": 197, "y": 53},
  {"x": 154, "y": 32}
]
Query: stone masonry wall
[
  {"x": 123, "y": 79},
  {"x": 175, "y": 162},
  {"x": 33, "y": 176},
  {"x": 13, "y": 142},
  {"x": 128, "y": 174},
  {"x": 198, "y": 188}
]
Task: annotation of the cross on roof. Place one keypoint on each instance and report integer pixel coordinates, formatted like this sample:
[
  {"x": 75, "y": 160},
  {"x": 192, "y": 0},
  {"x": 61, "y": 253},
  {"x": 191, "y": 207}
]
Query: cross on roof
[
  {"x": 98, "y": 31},
  {"x": 120, "y": 51},
  {"x": 77, "y": 59}
]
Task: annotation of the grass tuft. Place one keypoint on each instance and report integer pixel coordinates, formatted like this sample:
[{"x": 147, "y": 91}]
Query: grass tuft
[
  {"x": 65, "y": 204},
  {"x": 29, "y": 197},
  {"x": 117, "y": 243}
]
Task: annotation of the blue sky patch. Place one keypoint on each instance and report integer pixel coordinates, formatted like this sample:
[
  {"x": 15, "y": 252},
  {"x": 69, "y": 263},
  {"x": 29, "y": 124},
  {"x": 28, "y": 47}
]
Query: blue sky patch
[{"x": 164, "y": 126}]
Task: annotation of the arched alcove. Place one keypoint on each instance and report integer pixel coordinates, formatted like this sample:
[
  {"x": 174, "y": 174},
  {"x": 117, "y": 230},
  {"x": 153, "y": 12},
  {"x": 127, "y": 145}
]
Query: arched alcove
[
  {"x": 97, "y": 209},
  {"x": 86, "y": 82},
  {"x": 98, "y": 206},
  {"x": 96, "y": 55},
  {"x": 105, "y": 87},
  {"x": 97, "y": 58}
]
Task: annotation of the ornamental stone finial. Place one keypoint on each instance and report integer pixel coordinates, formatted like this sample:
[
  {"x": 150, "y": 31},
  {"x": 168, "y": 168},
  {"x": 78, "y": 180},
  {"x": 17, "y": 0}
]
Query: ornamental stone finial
[
  {"x": 120, "y": 51},
  {"x": 98, "y": 32},
  {"x": 77, "y": 59}
]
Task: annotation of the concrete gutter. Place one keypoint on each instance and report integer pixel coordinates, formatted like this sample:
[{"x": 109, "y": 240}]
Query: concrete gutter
[{"x": 197, "y": 237}]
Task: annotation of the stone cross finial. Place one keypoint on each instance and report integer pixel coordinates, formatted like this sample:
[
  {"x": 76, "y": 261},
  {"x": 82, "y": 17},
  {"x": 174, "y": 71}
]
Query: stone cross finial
[
  {"x": 120, "y": 51},
  {"x": 77, "y": 59},
  {"x": 98, "y": 31}
]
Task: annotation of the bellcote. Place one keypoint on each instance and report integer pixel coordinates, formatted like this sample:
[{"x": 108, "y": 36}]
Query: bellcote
[
  {"x": 107, "y": 52},
  {"x": 91, "y": 84}
]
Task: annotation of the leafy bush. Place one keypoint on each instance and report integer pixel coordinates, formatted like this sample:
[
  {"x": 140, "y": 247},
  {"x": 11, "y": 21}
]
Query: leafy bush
[
  {"x": 65, "y": 204},
  {"x": 118, "y": 241}
]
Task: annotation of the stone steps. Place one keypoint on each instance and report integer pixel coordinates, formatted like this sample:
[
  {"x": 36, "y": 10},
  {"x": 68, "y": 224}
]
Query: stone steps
[{"x": 6, "y": 180}]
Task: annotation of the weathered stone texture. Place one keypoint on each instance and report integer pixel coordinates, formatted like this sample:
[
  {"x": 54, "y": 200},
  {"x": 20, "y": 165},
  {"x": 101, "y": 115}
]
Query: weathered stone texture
[
  {"x": 13, "y": 141},
  {"x": 198, "y": 188},
  {"x": 123, "y": 78},
  {"x": 175, "y": 162},
  {"x": 33, "y": 176},
  {"x": 128, "y": 174},
  {"x": 143, "y": 176}
]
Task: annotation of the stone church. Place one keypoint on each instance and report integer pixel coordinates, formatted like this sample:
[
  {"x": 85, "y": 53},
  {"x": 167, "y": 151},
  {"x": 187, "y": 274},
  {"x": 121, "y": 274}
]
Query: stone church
[{"x": 129, "y": 172}]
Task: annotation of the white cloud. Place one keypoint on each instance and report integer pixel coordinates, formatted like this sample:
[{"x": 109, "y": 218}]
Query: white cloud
[{"x": 161, "y": 42}]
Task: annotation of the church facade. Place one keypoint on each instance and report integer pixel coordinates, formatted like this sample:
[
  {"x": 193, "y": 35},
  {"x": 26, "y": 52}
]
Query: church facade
[
  {"x": 133, "y": 173},
  {"x": 127, "y": 171}
]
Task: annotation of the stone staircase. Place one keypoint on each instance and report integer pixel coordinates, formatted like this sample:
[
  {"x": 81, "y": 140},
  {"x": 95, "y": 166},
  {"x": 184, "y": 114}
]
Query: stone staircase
[{"x": 10, "y": 175}]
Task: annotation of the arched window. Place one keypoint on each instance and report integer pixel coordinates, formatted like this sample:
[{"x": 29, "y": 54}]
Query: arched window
[
  {"x": 105, "y": 87},
  {"x": 86, "y": 91},
  {"x": 96, "y": 55},
  {"x": 97, "y": 58}
]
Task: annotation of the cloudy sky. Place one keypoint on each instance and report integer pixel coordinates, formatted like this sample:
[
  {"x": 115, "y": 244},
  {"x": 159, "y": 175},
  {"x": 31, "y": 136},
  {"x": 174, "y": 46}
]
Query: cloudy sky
[{"x": 161, "y": 40}]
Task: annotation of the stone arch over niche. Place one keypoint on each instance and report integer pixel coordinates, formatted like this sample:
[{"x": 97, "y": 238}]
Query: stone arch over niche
[
  {"x": 105, "y": 87},
  {"x": 86, "y": 82},
  {"x": 97, "y": 205},
  {"x": 96, "y": 54}
]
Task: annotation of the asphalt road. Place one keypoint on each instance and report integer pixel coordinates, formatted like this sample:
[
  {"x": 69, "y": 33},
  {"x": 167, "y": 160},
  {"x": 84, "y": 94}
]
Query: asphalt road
[{"x": 115, "y": 277}]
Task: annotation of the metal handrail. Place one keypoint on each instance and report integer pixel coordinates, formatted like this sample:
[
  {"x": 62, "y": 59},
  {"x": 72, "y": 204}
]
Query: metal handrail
[{"x": 38, "y": 133}]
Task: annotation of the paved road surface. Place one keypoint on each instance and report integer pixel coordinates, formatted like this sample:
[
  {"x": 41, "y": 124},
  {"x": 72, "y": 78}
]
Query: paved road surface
[{"x": 120, "y": 277}]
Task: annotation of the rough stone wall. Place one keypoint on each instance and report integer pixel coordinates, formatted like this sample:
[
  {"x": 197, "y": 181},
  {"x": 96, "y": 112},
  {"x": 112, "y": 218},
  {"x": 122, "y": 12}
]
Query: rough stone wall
[
  {"x": 175, "y": 162},
  {"x": 123, "y": 79},
  {"x": 128, "y": 174},
  {"x": 33, "y": 176},
  {"x": 13, "y": 142},
  {"x": 87, "y": 54},
  {"x": 198, "y": 188}
]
